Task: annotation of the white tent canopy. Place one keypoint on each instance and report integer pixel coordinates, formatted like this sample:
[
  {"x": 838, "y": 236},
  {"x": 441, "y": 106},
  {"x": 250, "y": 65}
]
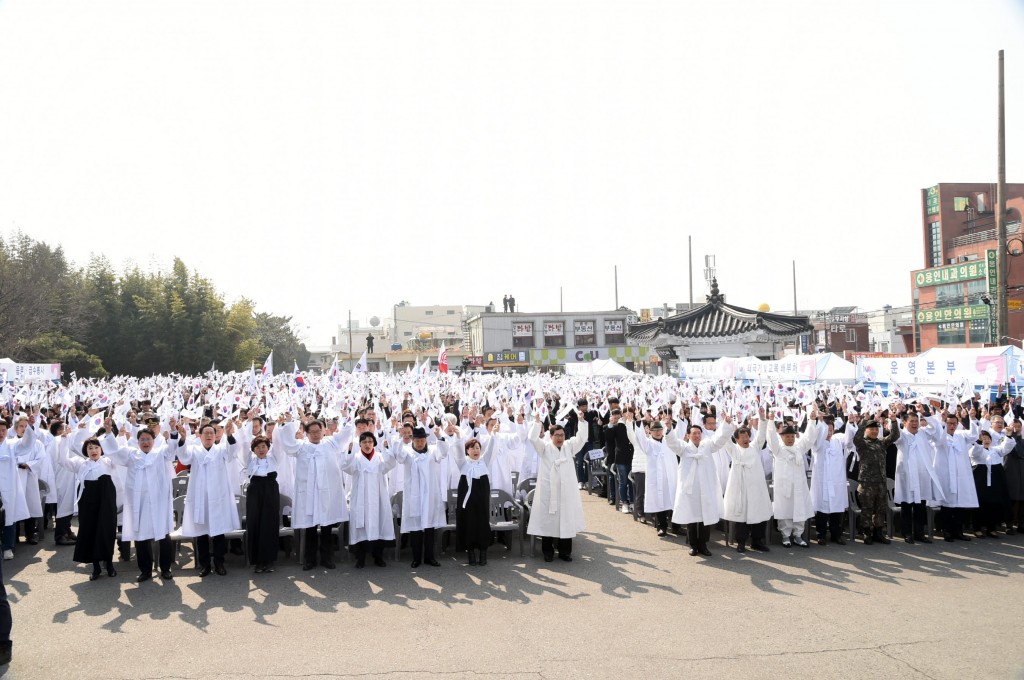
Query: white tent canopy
[
  {"x": 939, "y": 366},
  {"x": 599, "y": 368}
]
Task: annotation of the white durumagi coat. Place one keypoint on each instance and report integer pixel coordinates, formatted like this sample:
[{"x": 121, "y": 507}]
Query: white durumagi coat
[
  {"x": 791, "y": 497},
  {"x": 557, "y": 509},
  {"x": 371, "y": 517},
  {"x": 148, "y": 513},
  {"x": 698, "y": 489},
  {"x": 829, "y": 488},
  {"x": 63, "y": 492},
  {"x": 210, "y": 506},
  {"x": 951, "y": 461},
  {"x": 319, "y": 485},
  {"x": 32, "y": 455},
  {"x": 746, "y": 490},
  {"x": 662, "y": 470},
  {"x": 915, "y": 477},
  {"x": 499, "y": 472},
  {"x": 12, "y": 489},
  {"x": 422, "y": 502}
]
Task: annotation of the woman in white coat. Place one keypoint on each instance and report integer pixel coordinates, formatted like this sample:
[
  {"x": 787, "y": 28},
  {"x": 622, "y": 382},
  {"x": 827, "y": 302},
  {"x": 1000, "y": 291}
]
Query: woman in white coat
[
  {"x": 699, "y": 502},
  {"x": 148, "y": 514},
  {"x": 12, "y": 489},
  {"x": 422, "y": 502},
  {"x": 371, "y": 522},
  {"x": 319, "y": 486},
  {"x": 791, "y": 501},
  {"x": 557, "y": 511},
  {"x": 747, "y": 503},
  {"x": 210, "y": 506},
  {"x": 30, "y": 464},
  {"x": 829, "y": 487},
  {"x": 63, "y": 492}
]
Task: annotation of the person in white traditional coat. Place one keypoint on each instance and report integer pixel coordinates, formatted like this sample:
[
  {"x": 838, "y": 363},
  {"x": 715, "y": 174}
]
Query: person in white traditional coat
[
  {"x": 210, "y": 506},
  {"x": 662, "y": 470},
  {"x": 64, "y": 487},
  {"x": 422, "y": 503},
  {"x": 990, "y": 482},
  {"x": 952, "y": 464},
  {"x": 557, "y": 512},
  {"x": 12, "y": 489},
  {"x": 371, "y": 523},
  {"x": 148, "y": 514},
  {"x": 829, "y": 486},
  {"x": 699, "y": 501},
  {"x": 747, "y": 503},
  {"x": 791, "y": 500},
  {"x": 320, "y": 488},
  {"x": 500, "y": 470},
  {"x": 29, "y": 464},
  {"x": 916, "y": 482}
]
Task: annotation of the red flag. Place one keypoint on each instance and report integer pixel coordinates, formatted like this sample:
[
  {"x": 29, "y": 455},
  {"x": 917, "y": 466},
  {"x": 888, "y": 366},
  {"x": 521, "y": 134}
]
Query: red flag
[{"x": 442, "y": 359}]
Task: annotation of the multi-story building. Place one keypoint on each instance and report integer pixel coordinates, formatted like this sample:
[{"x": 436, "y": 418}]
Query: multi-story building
[
  {"x": 954, "y": 294},
  {"x": 890, "y": 329},
  {"x": 518, "y": 340},
  {"x": 417, "y": 327},
  {"x": 841, "y": 330}
]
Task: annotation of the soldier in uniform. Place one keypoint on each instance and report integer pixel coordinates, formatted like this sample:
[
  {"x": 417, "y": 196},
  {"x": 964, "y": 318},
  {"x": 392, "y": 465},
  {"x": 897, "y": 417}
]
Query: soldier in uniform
[{"x": 871, "y": 485}]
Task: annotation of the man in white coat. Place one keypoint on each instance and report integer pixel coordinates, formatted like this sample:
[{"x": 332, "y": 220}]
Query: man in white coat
[
  {"x": 422, "y": 502},
  {"x": 557, "y": 511},
  {"x": 12, "y": 489},
  {"x": 747, "y": 503},
  {"x": 210, "y": 506},
  {"x": 952, "y": 464},
  {"x": 319, "y": 486},
  {"x": 791, "y": 500},
  {"x": 916, "y": 482},
  {"x": 829, "y": 486},
  {"x": 148, "y": 514},
  {"x": 662, "y": 469},
  {"x": 699, "y": 502}
]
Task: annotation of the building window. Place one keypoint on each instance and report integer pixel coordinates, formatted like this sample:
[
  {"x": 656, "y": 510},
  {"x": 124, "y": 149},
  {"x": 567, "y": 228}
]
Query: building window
[
  {"x": 408, "y": 334},
  {"x": 935, "y": 242},
  {"x": 975, "y": 289},
  {"x": 583, "y": 332},
  {"x": 522, "y": 334},
  {"x": 960, "y": 203},
  {"x": 954, "y": 333},
  {"x": 554, "y": 334},
  {"x": 451, "y": 312},
  {"x": 883, "y": 347},
  {"x": 979, "y": 331},
  {"x": 614, "y": 332},
  {"x": 949, "y": 294},
  {"x": 429, "y": 312},
  {"x": 851, "y": 335}
]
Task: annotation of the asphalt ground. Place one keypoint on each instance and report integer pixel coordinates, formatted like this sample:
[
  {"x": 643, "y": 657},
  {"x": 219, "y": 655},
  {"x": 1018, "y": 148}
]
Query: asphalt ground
[{"x": 631, "y": 605}]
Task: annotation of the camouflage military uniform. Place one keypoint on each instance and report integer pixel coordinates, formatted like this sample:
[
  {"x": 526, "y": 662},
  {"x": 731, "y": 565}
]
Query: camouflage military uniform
[{"x": 873, "y": 494}]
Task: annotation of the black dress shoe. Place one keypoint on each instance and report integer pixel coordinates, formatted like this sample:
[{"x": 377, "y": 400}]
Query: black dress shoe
[
  {"x": 759, "y": 546},
  {"x": 415, "y": 564},
  {"x": 144, "y": 576},
  {"x": 471, "y": 557},
  {"x": 962, "y": 537},
  {"x": 549, "y": 558},
  {"x": 309, "y": 565},
  {"x": 433, "y": 563},
  {"x": 221, "y": 571},
  {"x": 32, "y": 540},
  {"x": 741, "y": 548},
  {"x": 110, "y": 570},
  {"x": 166, "y": 575},
  {"x": 868, "y": 540},
  {"x": 949, "y": 539},
  {"x": 483, "y": 558},
  {"x": 360, "y": 562},
  {"x": 822, "y": 541},
  {"x": 565, "y": 558},
  {"x": 909, "y": 539},
  {"x": 840, "y": 541},
  {"x": 694, "y": 552},
  {"x": 923, "y": 539},
  {"x": 704, "y": 551},
  {"x": 662, "y": 532},
  {"x": 206, "y": 571},
  {"x": 327, "y": 563},
  {"x": 94, "y": 575},
  {"x": 379, "y": 561}
]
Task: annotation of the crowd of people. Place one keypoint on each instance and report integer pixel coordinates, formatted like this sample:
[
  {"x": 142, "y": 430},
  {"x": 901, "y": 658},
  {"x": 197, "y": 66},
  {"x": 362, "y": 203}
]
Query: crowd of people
[{"x": 327, "y": 455}]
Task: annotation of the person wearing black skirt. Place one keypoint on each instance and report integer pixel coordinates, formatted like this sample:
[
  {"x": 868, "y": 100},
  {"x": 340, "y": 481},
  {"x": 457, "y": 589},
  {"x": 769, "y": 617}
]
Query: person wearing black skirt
[
  {"x": 990, "y": 481},
  {"x": 97, "y": 506},
  {"x": 473, "y": 511},
  {"x": 262, "y": 506}
]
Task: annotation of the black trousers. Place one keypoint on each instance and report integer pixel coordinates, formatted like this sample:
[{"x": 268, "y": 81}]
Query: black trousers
[
  {"x": 144, "y": 555},
  {"x": 638, "y": 492},
  {"x": 743, "y": 530},
  {"x": 220, "y": 548},
  {"x": 27, "y": 528},
  {"x": 547, "y": 546},
  {"x": 62, "y": 526},
  {"x": 661, "y": 519},
  {"x": 321, "y": 543},
  {"x": 831, "y": 522},
  {"x": 376, "y": 549},
  {"x": 913, "y": 518},
  {"x": 5, "y": 609},
  {"x": 422, "y": 545},
  {"x": 952, "y": 521},
  {"x": 698, "y": 535}
]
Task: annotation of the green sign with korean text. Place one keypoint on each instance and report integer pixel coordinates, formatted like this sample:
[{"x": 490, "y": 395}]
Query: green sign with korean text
[
  {"x": 931, "y": 200},
  {"x": 954, "y": 273},
  {"x": 993, "y": 290},
  {"x": 966, "y": 313}
]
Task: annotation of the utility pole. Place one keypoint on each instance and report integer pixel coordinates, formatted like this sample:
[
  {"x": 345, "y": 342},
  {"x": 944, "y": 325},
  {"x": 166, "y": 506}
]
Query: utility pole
[
  {"x": 561, "y": 307},
  {"x": 616, "y": 286},
  {"x": 689, "y": 241},
  {"x": 794, "y": 305},
  {"x": 350, "y": 367},
  {"x": 1002, "y": 316}
]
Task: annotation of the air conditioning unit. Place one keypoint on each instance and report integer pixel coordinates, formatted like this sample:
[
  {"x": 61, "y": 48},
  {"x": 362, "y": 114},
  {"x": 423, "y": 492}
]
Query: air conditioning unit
[{"x": 963, "y": 258}]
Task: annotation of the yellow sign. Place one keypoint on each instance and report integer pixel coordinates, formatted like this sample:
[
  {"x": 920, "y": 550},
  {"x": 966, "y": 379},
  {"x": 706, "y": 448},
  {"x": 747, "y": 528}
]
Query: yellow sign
[{"x": 1015, "y": 304}]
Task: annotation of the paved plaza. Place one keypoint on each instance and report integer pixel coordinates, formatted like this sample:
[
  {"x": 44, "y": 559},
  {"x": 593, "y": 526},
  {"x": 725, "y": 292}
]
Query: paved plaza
[{"x": 631, "y": 605}]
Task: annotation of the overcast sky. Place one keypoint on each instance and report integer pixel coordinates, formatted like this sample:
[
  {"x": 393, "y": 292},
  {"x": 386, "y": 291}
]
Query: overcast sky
[{"x": 321, "y": 157}]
